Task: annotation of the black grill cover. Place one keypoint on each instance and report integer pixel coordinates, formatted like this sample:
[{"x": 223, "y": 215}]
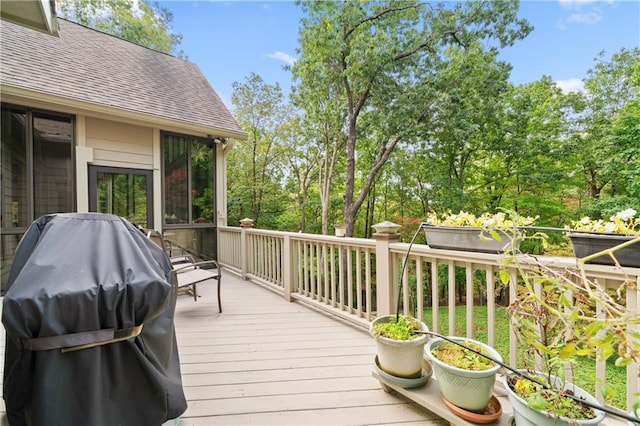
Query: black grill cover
[{"x": 77, "y": 278}]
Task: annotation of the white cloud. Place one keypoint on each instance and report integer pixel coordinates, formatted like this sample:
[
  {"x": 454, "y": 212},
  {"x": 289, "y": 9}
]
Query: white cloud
[
  {"x": 570, "y": 85},
  {"x": 585, "y": 18},
  {"x": 577, "y": 4},
  {"x": 578, "y": 17},
  {"x": 288, "y": 59}
]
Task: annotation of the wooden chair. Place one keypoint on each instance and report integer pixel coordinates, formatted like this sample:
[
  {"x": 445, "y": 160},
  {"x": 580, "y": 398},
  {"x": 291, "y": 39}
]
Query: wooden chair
[{"x": 187, "y": 271}]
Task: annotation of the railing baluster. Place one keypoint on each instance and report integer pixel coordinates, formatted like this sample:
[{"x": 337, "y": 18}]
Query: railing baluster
[
  {"x": 491, "y": 306},
  {"x": 358, "y": 282},
  {"x": 435, "y": 296},
  {"x": 452, "y": 297},
  {"x": 367, "y": 274},
  {"x": 470, "y": 301},
  {"x": 419, "y": 290}
]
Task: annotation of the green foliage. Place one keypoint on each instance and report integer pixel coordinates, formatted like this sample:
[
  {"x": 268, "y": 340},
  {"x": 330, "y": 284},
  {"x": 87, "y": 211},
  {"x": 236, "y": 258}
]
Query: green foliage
[
  {"x": 403, "y": 329},
  {"x": 554, "y": 316},
  {"x": 133, "y": 20},
  {"x": 585, "y": 368},
  {"x": 603, "y": 143},
  {"x": 396, "y": 120},
  {"x": 374, "y": 64},
  {"x": 459, "y": 357},
  {"x": 255, "y": 180},
  {"x": 542, "y": 399}
]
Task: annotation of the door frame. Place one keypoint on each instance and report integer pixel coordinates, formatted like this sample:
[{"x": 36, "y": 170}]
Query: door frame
[{"x": 93, "y": 187}]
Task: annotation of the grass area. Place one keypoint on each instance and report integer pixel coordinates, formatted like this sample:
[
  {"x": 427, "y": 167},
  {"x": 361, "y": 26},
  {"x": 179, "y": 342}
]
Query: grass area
[{"x": 584, "y": 372}]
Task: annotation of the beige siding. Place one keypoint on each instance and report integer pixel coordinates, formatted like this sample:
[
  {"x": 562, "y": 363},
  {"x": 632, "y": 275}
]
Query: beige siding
[{"x": 120, "y": 145}]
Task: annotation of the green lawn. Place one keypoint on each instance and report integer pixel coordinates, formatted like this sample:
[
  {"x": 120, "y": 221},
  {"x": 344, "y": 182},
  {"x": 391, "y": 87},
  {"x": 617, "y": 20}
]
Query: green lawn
[{"x": 584, "y": 372}]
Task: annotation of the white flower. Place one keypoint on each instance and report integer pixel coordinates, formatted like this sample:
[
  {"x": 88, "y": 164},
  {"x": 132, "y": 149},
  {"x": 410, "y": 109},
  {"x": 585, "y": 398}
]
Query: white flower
[
  {"x": 626, "y": 214},
  {"x": 610, "y": 227},
  {"x": 585, "y": 220}
]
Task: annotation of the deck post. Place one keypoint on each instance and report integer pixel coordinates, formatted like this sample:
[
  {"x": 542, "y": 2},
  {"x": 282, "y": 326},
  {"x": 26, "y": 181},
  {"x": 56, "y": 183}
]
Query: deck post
[
  {"x": 245, "y": 224},
  {"x": 287, "y": 270},
  {"x": 386, "y": 292}
]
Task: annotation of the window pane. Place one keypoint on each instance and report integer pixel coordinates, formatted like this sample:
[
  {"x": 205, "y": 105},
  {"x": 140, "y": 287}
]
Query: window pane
[
  {"x": 123, "y": 194},
  {"x": 176, "y": 183},
  {"x": 202, "y": 183},
  {"x": 52, "y": 165},
  {"x": 198, "y": 241},
  {"x": 14, "y": 170}
]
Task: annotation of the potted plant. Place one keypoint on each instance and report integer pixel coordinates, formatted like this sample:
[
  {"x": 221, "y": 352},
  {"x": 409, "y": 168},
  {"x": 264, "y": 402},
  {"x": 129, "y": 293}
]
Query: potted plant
[
  {"x": 466, "y": 377},
  {"x": 555, "y": 322},
  {"x": 489, "y": 233},
  {"x": 400, "y": 348},
  {"x": 592, "y": 236}
]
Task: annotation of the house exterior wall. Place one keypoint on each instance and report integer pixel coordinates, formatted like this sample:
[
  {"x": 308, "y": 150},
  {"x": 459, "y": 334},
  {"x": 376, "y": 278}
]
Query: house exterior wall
[
  {"x": 112, "y": 141},
  {"x": 120, "y": 144}
]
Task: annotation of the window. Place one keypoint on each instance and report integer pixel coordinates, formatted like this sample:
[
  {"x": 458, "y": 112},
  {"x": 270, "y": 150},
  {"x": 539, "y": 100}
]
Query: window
[
  {"x": 124, "y": 192},
  {"x": 36, "y": 173},
  {"x": 189, "y": 193},
  {"x": 188, "y": 180}
]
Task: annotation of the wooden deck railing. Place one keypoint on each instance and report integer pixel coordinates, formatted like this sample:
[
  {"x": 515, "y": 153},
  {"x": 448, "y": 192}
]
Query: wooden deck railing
[{"x": 358, "y": 279}]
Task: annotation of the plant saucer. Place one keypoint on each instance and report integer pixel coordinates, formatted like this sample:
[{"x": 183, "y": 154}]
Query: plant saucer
[
  {"x": 491, "y": 414},
  {"x": 401, "y": 381}
]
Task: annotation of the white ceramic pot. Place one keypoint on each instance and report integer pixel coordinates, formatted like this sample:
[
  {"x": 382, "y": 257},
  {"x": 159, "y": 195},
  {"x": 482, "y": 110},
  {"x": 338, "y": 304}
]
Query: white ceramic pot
[{"x": 400, "y": 358}]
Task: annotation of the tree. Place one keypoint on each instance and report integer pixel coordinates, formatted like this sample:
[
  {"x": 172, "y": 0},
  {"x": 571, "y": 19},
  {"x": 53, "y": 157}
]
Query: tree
[
  {"x": 525, "y": 167},
  {"x": 609, "y": 87},
  {"x": 469, "y": 107},
  {"x": 378, "y": 58},
  {"x": 133, "y": 20},
  {"x": 256, "y": 168},
  {"x": 304, "y": 164}
]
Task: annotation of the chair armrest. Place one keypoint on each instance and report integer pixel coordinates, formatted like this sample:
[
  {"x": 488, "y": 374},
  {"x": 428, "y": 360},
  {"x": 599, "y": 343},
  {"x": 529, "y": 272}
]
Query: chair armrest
[
  {"x": 178, "y": 260},
  {"x": 202, "y": 265}
]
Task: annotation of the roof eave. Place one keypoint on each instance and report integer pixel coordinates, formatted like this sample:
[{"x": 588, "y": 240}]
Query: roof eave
[
  {"x": 12, "y": 94},
  {"x": 39, "y": 15}
]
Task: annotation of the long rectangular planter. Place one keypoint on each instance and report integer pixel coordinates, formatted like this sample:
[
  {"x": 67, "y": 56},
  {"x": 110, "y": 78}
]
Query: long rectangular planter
[
  {"x": 587, "y": 244},
  {"x": 465, "y": 238}
]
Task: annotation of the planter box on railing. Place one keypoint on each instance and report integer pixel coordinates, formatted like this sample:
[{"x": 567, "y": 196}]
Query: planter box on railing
[
  {"x": 466, "y": 239},
  {"x": 587, "y": 244}
]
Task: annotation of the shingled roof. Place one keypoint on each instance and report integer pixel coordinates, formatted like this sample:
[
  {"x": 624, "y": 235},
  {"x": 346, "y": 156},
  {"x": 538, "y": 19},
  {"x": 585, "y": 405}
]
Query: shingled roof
[{"x": 93, "y": 67}]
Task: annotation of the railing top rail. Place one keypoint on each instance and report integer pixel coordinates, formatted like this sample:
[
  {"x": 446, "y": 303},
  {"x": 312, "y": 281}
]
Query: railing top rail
[
  {"x": 592, "y": 270},
  {"x": 299, "y": 236},
  {"x": 344, "y": 241}
]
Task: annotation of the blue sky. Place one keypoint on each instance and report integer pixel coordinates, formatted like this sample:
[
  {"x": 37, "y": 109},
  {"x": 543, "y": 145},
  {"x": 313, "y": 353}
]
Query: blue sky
[{"x": 228, "y": 40}]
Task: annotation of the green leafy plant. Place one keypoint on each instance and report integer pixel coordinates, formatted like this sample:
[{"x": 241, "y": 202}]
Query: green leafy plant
[
  {"x": 403, "y": 329},
  {"x": 457, "y": 356},
  {"x": 553, "y": 317},
  {"x": 549, "y": 399}
]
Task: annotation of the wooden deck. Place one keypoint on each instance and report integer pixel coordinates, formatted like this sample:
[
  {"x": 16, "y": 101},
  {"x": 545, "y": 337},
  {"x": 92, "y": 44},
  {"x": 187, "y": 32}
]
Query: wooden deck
[{"x": 264, "y": 361}]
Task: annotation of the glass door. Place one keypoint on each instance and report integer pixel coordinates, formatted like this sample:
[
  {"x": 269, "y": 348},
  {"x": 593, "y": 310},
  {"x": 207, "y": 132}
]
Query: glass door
[{"x": 124, "y": 192}]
